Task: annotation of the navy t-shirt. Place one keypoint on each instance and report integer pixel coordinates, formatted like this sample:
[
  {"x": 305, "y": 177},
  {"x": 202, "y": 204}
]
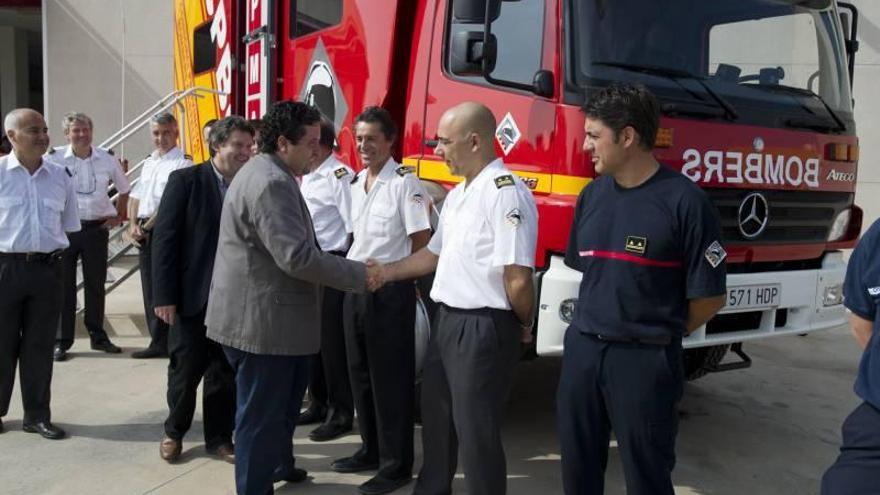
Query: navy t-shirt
[
  {"x": 643, "y": 252},
  {"x": 862, "y": 292}
]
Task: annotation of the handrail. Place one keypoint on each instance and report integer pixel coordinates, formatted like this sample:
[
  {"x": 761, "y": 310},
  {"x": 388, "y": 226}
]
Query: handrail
[
  {"x": 144, "y": 118},
  {"x": 148, "y": 112}
]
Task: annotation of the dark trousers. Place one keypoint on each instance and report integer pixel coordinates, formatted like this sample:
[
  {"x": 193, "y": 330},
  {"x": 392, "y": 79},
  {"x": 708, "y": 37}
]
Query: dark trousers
[
  {"x": 192, "y": 358},
  {"x": 90, "y": 244},
  {"x": 631, "y": 388},
  {"x": 329, "y": 386},
  {"x": 29, "y": 310},
  {"x": 269, "y": 393},
  {"x": 380, "y": 344},
  {"x": 857, "y": 469},
  {"x": 465, "y": 382},
  {"x": 158, "y": 328}
]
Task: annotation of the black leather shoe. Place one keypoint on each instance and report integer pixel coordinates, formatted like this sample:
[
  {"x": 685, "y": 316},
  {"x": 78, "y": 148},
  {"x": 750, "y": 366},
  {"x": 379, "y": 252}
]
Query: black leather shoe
[
  {"x": 106, "y": 346},
  {"x": 329, "y": 431},
  {"x": 296, "y": 475},
  {"x": 313, "y": 414},
  {"x": 59, "y": 354},
  {"x": 379, "y": 485},
  {"x": 45, "y": 429},
  {"x": 148, "y": 353},
  {"x": 353, "y": 464}
]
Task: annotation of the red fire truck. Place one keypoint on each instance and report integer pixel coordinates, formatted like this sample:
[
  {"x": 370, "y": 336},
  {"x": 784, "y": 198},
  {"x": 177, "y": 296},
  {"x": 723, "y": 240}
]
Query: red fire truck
[{"x": 756, "y": 103}]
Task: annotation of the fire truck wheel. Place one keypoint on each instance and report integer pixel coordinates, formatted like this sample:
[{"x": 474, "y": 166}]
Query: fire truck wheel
[{"x": 698, "y": 361}]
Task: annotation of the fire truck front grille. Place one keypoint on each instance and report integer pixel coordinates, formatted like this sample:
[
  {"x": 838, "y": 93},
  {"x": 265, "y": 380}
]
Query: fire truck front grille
[{"x": 795, "y": 217}]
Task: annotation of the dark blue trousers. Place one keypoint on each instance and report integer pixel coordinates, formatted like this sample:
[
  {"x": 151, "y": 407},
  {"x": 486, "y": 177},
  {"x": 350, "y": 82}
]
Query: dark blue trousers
[
  {"x": 857, "y": 469},
  {"x": 630, "y": 388},
  {"x": 269, "y": 396}
]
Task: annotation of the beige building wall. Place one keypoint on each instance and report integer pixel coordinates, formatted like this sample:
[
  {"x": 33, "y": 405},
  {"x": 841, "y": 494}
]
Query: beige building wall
[{"x": 111, "y": 59}]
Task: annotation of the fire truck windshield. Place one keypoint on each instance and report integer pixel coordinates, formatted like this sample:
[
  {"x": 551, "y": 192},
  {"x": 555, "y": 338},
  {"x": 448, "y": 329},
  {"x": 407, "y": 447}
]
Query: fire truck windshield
[{"x": 778, "y": 63}]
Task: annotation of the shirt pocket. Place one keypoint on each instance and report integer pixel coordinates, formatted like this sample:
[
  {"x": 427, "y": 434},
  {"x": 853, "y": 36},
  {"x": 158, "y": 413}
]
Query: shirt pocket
[
  {"x": 382, "y": 215},
  {"x": 11, "y": 213},
  {"x": 50, "y": 212}
]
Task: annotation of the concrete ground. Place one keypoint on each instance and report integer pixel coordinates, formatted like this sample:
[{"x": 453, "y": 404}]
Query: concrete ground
[{"x": 771, "y": 429}]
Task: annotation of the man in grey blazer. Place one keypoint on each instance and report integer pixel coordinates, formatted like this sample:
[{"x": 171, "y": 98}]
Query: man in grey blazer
[{"x": 264, "y": 304}]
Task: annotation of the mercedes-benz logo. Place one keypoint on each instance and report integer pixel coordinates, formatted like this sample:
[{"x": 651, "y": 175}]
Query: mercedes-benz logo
[{"x": 754, "y": 213}]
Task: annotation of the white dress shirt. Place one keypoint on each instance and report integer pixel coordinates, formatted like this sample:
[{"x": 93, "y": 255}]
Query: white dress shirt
[
  {"x": 327, "y": 191},
  {"x": 92, "y": 177},
  {"x": 154, "y": 175},
  {"x": 484, "y": 226},
  {"x": 36, "y": 211},
  {"x": 395, "y": 208}
]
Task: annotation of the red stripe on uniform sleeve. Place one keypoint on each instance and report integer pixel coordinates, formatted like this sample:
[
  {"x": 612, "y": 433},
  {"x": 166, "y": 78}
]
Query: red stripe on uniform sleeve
[{"x": 629, "y": 258}]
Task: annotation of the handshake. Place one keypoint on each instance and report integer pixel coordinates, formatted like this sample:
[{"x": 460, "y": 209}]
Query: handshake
[{"x": 377, "y": 275}]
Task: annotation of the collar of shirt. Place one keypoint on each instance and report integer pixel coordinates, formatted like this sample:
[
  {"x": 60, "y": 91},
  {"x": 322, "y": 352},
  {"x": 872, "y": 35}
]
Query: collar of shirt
[
  {"x": 486, "y": 174},
  {"x": 12, "y": 163},
  {"x": 220, "y": 179},
  {"x": 69, "y": 153},
  {"x": 173, "y": 154}
]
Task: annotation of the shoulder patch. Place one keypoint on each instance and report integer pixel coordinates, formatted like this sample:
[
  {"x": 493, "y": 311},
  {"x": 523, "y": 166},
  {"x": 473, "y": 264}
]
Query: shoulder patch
[
  {"x": 404, "y": 170},
  {"x": 188, "y": 157},
  {"x": 504, "y": 181},
  {"x": 356, "y": 177},
  {"x": 110, "y": 152},
  {"x": 340, "y": 172},
  {"x": 715, "y": 254},
  {"x": 51, "y": 151},
  {"x": 67, "y": 171}
]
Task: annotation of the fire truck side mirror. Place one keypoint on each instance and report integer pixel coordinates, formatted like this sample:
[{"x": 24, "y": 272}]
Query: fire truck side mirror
[
  {"x": 543, "y": 83},
  {"x": 474, "y": 11},
  {"x": 468, "y": 52}
]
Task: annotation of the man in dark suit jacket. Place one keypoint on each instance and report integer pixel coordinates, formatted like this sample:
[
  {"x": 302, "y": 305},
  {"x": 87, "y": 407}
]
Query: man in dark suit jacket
[
  {"x": 264, "y": 306},
  {"x": 184, "y": 244}
]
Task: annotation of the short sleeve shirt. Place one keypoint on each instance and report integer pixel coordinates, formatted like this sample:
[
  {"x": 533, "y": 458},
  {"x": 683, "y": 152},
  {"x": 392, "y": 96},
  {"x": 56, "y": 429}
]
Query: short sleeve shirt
[
  {"x": 327, "y": 191},
  {"x": 862, "y": 291},
  {"x": 644, "y": 252},
  {"x": 36, "y": 211},
  {"x": 383, "y": 219},
  {"x": 485, "y": 225},
  {"x": 154, "y": 176},
  {"x": 92, "y": 177}
]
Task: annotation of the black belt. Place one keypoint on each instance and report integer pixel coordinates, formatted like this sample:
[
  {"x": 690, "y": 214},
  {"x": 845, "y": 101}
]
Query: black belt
[
  {"x": 92, "y": 223},
  {"x": 338, "y": 253},
  {"x": 143, "y": 221},
  {"x": 473, "y": 311},
  {"x": 620, "y": 339},
  {"x": 34, "y": 257}
]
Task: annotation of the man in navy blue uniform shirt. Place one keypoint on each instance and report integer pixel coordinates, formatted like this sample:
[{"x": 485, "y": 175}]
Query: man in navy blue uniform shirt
[
  {"x": 857, "y": 470},
  {"x": 647, "y": 241}
]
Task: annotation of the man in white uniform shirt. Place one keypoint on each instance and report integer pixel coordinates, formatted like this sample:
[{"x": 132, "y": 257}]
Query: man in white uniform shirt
[
  {"x": 37, "y": 209},
  {"x": 93, "y": 170},
  {"x": 327, "y": 192},
  {"x": 142, "y": 207},
  {"x": 390, "y": 214},
  {"x": 484, "y": 253}
]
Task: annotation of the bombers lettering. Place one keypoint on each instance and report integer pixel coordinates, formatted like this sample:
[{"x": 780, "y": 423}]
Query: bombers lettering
[{"x": 734, "y": 167}]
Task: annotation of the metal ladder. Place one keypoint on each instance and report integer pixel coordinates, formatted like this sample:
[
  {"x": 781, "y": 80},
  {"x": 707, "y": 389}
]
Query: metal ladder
[{"x": 119, "y": 247}]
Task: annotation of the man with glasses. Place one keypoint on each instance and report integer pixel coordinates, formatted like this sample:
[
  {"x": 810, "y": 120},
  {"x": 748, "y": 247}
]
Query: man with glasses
[{"x": 93, "y": 170}]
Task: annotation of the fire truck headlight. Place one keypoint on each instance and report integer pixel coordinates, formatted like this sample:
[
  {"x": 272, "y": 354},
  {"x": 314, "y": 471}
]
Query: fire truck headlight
[
  {"x": 566, "y": 310},
  {"x": 838, "y": 228},
  {"x": 833, "y": 295}
]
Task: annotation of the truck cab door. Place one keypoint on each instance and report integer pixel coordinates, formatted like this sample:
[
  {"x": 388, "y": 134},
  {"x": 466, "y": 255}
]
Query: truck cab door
[{"x": 259, "y": 52}]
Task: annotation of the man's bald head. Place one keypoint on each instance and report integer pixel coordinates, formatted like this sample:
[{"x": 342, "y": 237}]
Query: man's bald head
[
  {"x": 472, "y": 117},
  {"x": 27, "y": 132},
  {"x": 466, "y": 138},
  {"x": 16, "y": 118}
]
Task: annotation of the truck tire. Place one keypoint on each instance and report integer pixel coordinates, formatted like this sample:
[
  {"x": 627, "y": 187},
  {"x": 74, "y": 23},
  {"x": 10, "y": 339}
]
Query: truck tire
[{"x": 698, "y": 361}]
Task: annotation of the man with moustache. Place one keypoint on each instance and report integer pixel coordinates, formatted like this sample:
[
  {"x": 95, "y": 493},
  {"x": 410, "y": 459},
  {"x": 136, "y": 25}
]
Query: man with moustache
[
  {"x": 93, "y": 171},
  {"x": 263, "y": 306},
  {"x": 37, "y": 208},
  {"x": 142, "y": 207},
  {"x": 184, "y": 244}
]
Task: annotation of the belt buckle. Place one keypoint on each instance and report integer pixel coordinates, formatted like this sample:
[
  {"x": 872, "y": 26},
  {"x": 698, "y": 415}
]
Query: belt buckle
[{"x": 29, "y": 257}]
